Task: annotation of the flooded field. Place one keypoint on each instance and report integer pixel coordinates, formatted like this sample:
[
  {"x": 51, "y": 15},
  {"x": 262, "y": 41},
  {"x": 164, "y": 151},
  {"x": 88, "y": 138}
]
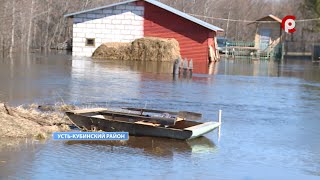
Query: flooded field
[{"x": 270, "y": 121}]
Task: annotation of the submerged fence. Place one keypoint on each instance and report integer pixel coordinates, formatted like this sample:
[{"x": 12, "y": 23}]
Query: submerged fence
[
  {"x": 183, "y": 66},
  {"x": 285, "y": 50}
]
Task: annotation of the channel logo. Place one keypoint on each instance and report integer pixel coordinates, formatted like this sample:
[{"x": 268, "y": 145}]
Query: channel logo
[{"x": 288, "y": 24}]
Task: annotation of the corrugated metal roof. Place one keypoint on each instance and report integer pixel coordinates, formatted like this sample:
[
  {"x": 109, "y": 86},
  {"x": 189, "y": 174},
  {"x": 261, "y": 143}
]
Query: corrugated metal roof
[
  {"x": 161, "y": 5},
  {"x": 98, "y": 8}
]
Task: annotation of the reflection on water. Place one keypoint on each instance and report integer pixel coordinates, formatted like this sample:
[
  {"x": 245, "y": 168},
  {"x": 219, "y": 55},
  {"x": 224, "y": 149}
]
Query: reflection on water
[
  {"x": 34, "y": 161},
  {"x": 161, "y": 147},
  {"x": 269, "y": 122},
  {"x": 289, "y": 68},
  {"x": 18, "y": 156}
]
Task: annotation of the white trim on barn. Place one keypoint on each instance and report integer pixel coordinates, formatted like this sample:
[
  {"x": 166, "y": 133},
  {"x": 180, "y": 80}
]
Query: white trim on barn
[{"x": 120, "y": 23}]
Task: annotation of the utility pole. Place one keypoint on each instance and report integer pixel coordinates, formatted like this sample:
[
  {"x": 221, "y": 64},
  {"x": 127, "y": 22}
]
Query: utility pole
[{"x": 226, "y": 34}]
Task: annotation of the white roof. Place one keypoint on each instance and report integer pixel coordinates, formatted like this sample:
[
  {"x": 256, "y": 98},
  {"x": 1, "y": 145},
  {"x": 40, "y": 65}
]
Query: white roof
[{"x": 158, "y": 4}]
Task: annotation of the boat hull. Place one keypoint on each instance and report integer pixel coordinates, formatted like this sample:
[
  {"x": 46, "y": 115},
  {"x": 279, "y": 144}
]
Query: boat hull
[
  {"x": 134, "y": 129},
  {"x": 101, "y": 119}
]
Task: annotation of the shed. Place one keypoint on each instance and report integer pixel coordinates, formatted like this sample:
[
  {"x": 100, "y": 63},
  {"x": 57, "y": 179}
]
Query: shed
[
  {"x": 268, "y": 34},
  {"x": 132, "y": 19}
]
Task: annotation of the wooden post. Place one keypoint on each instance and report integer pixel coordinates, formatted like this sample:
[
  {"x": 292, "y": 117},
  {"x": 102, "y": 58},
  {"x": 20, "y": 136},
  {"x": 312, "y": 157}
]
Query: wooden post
[
  {"x": 190, "y": 67},
  {"x": 176, "y": 66},
  {"x": 181, "y": 65},
  {"x": 185, "y": 67},
  {"x": 185, "y": 63},
  {"x": 219, "y": 119},
  {"x": 219, "y": 116}
]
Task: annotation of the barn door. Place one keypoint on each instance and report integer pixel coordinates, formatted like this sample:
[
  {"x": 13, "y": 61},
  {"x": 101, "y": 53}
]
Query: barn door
[{"x": 264, "y": 38}]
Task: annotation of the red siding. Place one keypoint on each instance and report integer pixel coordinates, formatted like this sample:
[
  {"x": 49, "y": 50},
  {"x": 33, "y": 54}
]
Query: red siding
[
  {"x": 210, "y": 39},
  {"x": 192, "y": 37}
]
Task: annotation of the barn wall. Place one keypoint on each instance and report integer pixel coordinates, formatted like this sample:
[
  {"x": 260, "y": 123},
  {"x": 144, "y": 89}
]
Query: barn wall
[
  {"x": 193, "y": 38},
  {"x": 122, "y": 23}
]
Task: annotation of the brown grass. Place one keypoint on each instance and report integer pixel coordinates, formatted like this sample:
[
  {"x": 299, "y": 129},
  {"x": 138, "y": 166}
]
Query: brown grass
[
  {"x": 22, "y": 122},
  {"x": 143, "y": 49},
  {"x": 60, "y": 107}
]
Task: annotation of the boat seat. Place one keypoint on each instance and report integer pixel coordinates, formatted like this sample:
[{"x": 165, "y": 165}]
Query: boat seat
[
  {"x": 180, "y": 119},
  {"x": 147, "y": 123},
  {"x": 98, "y": 116}
]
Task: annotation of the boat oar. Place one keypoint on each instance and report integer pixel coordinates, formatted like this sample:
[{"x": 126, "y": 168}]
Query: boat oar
[{"x": 182, "y": 114}]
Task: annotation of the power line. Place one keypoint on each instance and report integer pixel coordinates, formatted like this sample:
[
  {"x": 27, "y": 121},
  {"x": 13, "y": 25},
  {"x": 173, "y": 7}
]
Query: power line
[
  {"x": 250, "y": 21},
  {"x": 314, "y": 19}
]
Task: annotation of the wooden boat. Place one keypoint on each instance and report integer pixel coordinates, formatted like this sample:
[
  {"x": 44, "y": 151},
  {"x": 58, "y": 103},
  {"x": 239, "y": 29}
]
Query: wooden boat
[{"x": 140, "y": 125}]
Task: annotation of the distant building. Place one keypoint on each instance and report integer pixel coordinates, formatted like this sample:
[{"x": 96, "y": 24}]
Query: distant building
[
  {"x": 129, "y": 20},
  {"x": 269, "y": 34}
]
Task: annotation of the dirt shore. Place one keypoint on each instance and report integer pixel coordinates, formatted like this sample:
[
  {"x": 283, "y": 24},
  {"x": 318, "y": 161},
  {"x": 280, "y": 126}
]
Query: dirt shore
[{"x": 31, "y": 122}]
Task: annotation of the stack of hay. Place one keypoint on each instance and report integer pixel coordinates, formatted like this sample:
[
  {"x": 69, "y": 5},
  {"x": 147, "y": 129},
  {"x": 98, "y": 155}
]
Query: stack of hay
[{"x": 143, "y": 49}]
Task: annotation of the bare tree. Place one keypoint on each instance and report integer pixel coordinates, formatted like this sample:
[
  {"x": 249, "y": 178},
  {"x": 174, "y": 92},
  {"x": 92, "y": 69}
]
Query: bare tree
[
  {"x": 12, "y": 27},
  {"x": 40, "y": 23},
  {"x": 30, "y": 26}
]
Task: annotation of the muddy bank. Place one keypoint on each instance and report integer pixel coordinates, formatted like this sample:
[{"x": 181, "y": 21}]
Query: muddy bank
[
  {"x": 143, "y": 49},
  {"x": 24, "y": 122}
]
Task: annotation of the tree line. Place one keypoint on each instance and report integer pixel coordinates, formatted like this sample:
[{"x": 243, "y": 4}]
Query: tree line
[{"x": 39, "y": 24}]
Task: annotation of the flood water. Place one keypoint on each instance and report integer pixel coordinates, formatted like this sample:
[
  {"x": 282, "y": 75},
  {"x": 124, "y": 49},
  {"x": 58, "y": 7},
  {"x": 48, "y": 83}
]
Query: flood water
[{"x": 270, "y": 122}]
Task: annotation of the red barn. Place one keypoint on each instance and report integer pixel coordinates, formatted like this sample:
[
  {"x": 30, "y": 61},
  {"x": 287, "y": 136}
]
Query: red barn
[{"x": 129, "y": 20}]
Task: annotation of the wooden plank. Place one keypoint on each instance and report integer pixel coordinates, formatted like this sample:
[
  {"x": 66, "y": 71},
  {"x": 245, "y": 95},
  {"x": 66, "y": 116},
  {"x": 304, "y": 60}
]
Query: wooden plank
[
  {"x": 151, "y": 110},
  {"x": 299, "y": 53},
  {"x": 240, "y": 47},
  {"x": 89, "y": 110},
  {"x": 189, "y": 115},
  {"x": 147, "y": 123},
  {"x": 136, "y": 117},
  {"x": 183, "y": 114}
]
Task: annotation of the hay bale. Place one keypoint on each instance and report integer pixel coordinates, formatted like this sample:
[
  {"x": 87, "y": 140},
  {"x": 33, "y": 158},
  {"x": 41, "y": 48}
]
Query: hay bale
[
  {"x": 154, "y": 49},
  {"x": 143, "y": 49},
  {"x": 111, "y": 51}
]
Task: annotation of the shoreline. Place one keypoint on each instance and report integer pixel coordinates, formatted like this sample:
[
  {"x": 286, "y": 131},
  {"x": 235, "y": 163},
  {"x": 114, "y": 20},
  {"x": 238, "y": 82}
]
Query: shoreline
[{"x": 35, "y": 122}]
